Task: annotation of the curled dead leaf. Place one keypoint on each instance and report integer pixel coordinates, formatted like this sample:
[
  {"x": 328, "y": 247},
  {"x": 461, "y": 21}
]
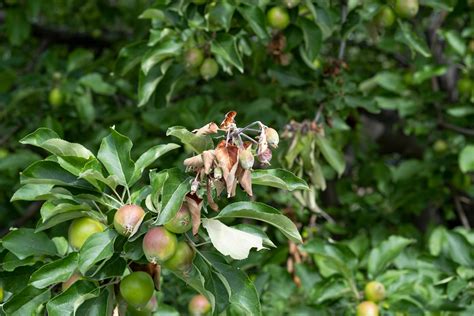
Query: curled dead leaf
[
  {"x": 195, "y": 206},
  {"x": 210, "y": 128}
]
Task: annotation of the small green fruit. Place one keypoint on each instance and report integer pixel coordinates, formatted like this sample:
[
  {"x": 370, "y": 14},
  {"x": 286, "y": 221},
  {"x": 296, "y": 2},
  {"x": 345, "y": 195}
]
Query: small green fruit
[
  {"x": 127, "y": 219},
  {"x": 193, "y": 58},
  {"x": 465, "y": 86},
  {"x": 367, "y": 308},
  {"x": 182, "y": 222},
  {"x": 1, "y": 294},
  {"x": 209, "y": 69},
  {"x": 440, "y": 146},
  {"x": 55, "y": 97},
  {"x": 159, "y": 245},
  {"x": 278, "y": 18},
  {"x": 385, "y": 17},
  {"x": 182, "y": 260},
  {"x": 246, "y": 158},
  {"x": 374, "y": 291},
  {"x": 199, "y": 306},
  {"x": 81, "y": 229},
  {"x": 272, "y": 137},
  {"x": 137, "y": 288},
  {"x": 406, "y": 8},
  {"x": 3, "y": 152},
  {"x": 291, "y": 3}
]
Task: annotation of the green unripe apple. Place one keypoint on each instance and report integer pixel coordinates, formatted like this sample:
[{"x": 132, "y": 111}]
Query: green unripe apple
[
  {"x": 193, "y": 58},
  {"x": 278, "y": 18},
  {"x": 209, "y": 69},
  {"x": 137, "y": 288},
  {"x": 406, "y": 8},
  {"x": 159, "y": 244},
  {"x": 385, "y": 17},
  {"x": 367, "y": 308},
  {"x": 465, "y": 86},
  {"x": 199, "y": 306},
  {"x": 55, "y": 97},
  {"x": 374, "y": 291},
  {"x": 182, "y": 222},
  {"x": 81, "y": 229},
  {"x": 440, "y": 146},
  {"x": 182, "y": 260}
]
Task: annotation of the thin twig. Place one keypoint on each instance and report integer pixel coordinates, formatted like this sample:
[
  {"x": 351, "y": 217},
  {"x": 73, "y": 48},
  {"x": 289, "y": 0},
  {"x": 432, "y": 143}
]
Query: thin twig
[{"x": 461, "y": 213}]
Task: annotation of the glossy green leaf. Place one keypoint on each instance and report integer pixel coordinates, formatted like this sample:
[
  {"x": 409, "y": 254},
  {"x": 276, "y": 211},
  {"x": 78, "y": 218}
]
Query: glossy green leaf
[
  {"x": 312, "y": 36},
  {"x": 197, "y": 143},
  {"x": 98, "y": 306},
  {"x": 25, "y": 242},
  {"x": 26, "y": 301},
  {"x": 55, "y": 272},
  {"x": 174, "y": 190},
  {"x": 261, "y": 212},
  {"x": 114, "y": 153},
  {"x": 69, "y": 301},
  {"x": 278, "y": 178},
  {"x": 31, "y": 192},
  {"x": 243, "y": 295},
  {"x": 148, "y": 157},
  {"x": 219, "y": 15},
  {"x": 98, "y": 247}
]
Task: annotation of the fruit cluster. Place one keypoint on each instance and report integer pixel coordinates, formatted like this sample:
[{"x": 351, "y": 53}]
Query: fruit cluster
[{"x": 374, "y": 293}]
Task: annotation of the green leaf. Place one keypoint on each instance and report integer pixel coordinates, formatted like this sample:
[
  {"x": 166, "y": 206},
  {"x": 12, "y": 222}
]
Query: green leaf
[
  {"x": 174, "y": 191},
  {"x": 219, "y": 15},
  {"x": 466, "y": 159},
  {"x": 459, "y": 249},
  {"x": 381, "y": 256},
  {"x": 147, "y": 84},
  {"x": 114, "y": 153},
  {"x": 31, "y": 192},
  {"x": 84, "y": 106},
  {"x": 17, "y": 26},
  {"x": 79, "y": 58},
  {"x": 24, "y": 242},
  {"x": 69, "y": 301},
  {"x": 437, "y": 240},
  {"x": 312, "y": 36},
  {"x": 334, "y": 157},
  {"x": 255, "y": 18},
  {"x": 225, "y": 46},
  {"x": 243, "y": 295},
  {"x": 130, "y": 56},
  {"x": 455, "y": 41},
  {"x": 10, "y": 262},
  {"x": 278, "y": 178},
  {"x": 98, "y": 247},
  {"x": 98, "y": 306},
  {"x": 49, "y": 172},
  {"x": 257, "y": 231},
  {"x": 96, "y": 83},
  {"x": 413, "y": 40},
  {"x": 26, "y": 301},
  {"x": 55, "y": 272},
  {"x": 197, "y": 143},
  {"x": 66, "y": 216},
  {"x": 262, "y": 212},
  {"x": 148, "y": 158},
  {"x": 164, "y": 50}
]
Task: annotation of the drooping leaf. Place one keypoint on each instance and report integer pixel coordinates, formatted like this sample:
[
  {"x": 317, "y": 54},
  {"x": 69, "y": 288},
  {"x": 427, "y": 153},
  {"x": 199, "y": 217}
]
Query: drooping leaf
[
  {"x": 225, "y": 46},
  {"x": 230, "y": 241},
  {"x": 466, "y": 159},
  {"x": 197, "y": 143},
  {"x": 278, "y": 178},
  {"x": 262, "y": 212},
  {"x": 334, "y": 157},
  {"x": 174, "y": 190}
]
